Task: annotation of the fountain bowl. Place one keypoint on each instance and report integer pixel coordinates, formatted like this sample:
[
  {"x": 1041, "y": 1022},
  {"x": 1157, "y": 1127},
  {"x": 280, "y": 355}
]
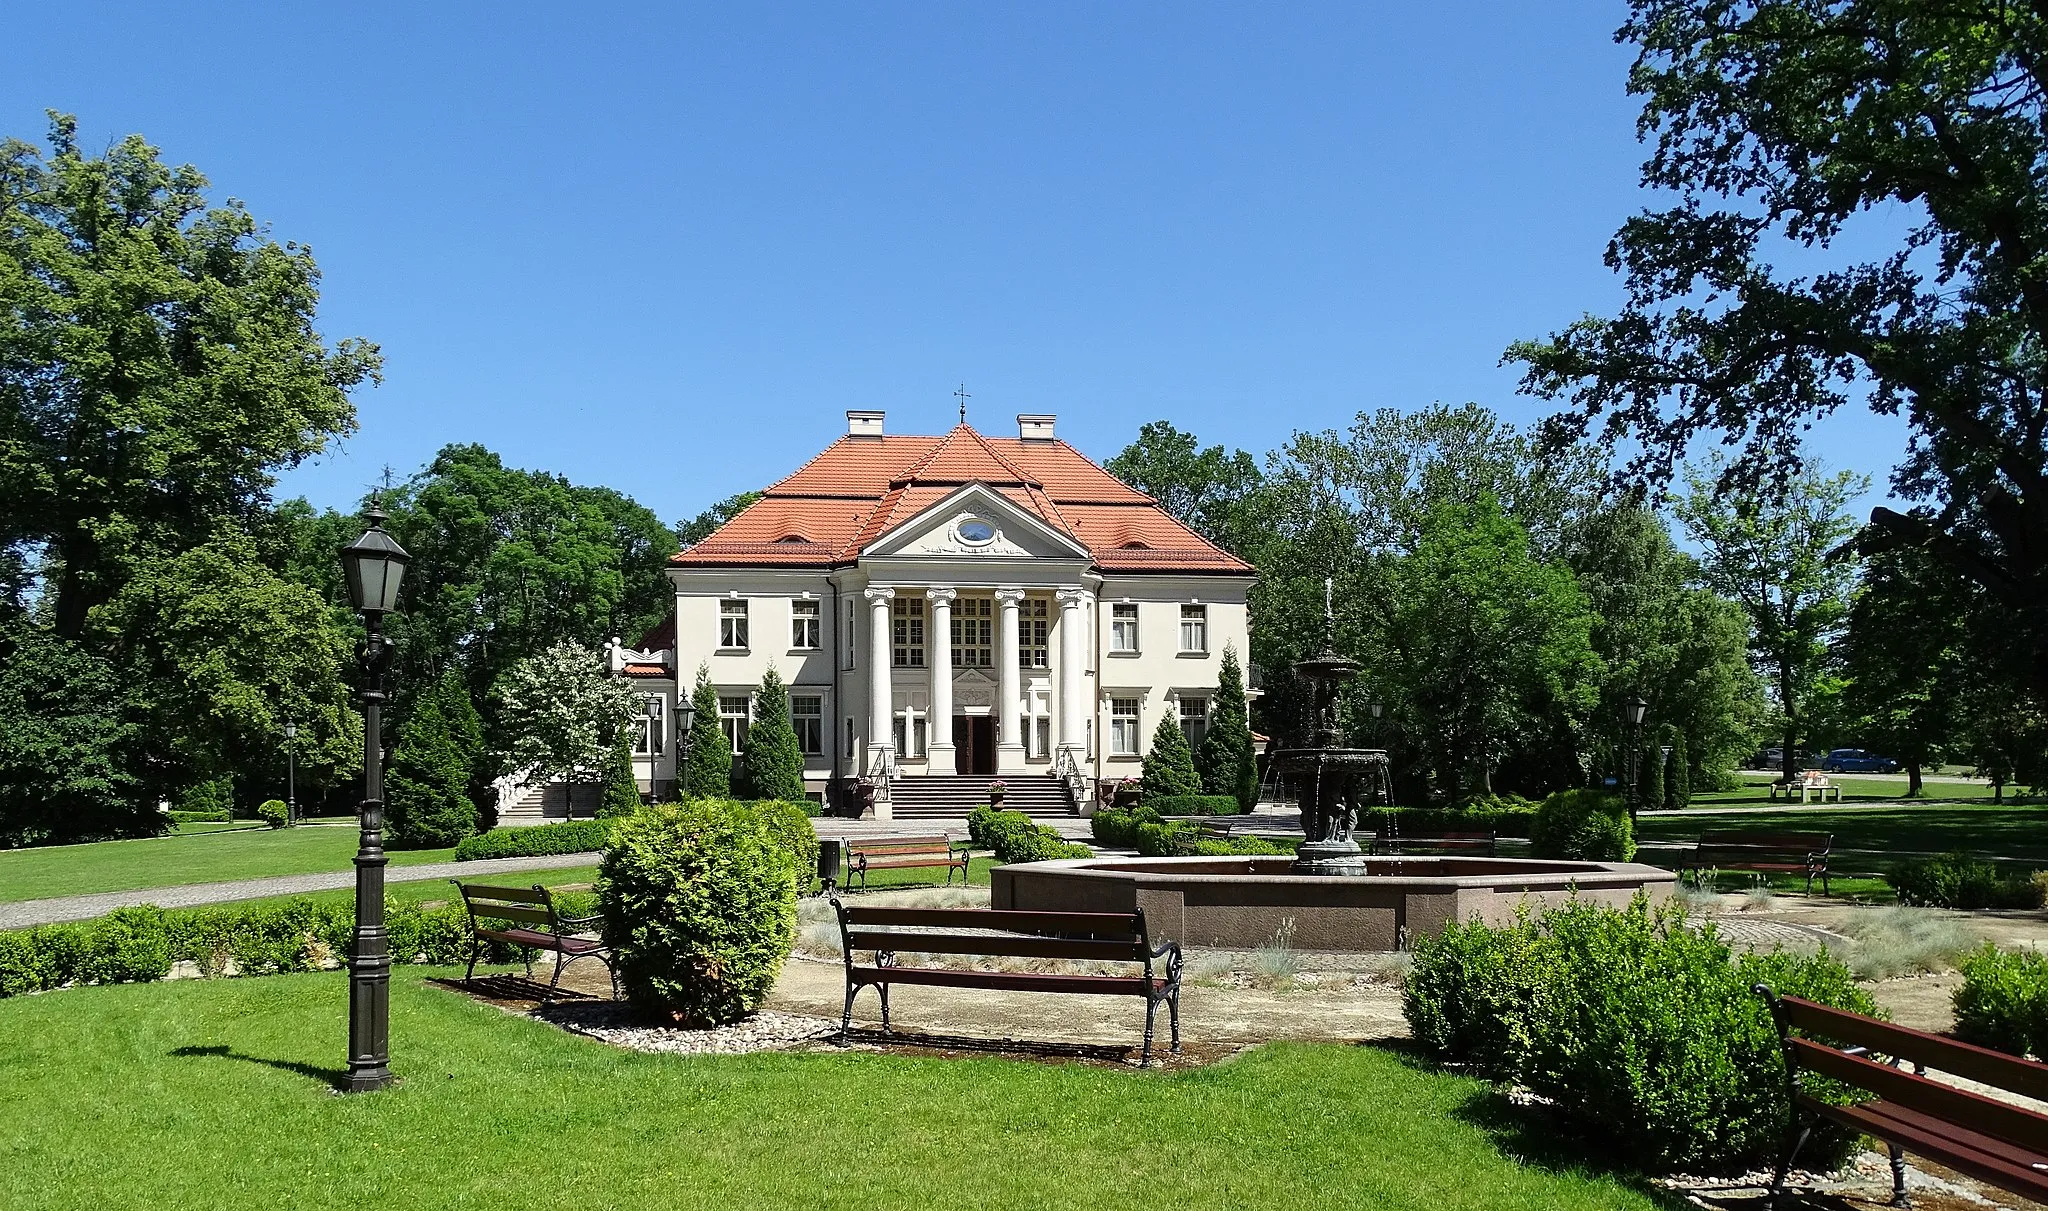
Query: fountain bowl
[{"x": 1241, "y": 903}]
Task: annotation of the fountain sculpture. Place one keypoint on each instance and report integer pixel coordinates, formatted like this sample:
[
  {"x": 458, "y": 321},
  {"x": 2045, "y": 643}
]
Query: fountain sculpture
[{"x": 1325, "y": 776}]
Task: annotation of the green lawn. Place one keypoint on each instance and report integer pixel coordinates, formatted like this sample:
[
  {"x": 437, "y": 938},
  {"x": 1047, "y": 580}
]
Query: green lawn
[
  {"x": 216, "y": 1094},
  {"x": 1756, "y": 791},
  {"x": 2007, "y": 831},
  {"x": 183, "y": 857}
]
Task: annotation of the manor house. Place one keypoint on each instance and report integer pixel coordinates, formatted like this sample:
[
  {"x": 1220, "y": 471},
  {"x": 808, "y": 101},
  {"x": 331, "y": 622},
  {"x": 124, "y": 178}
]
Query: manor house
[{"x": 947, "y": 610}]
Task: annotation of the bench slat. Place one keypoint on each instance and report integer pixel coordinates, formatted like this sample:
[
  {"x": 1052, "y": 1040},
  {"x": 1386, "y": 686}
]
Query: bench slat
[
  {"x": 517, "y": 895},
  {"x": 1965, "y": 1151},
  {"x": 911, "y": 860},
  {"x": 1067, "y": 924},
  {"x": 1026, "y": 981},
  {"x": 934, "y": 842},
  {"x": 1944, "y": 1102},
  {"x": 1725, "y": 837},
  {"x": 984, "y": 944},
  {"x": 2008, "y": 1072},
  {"x": 508, "y": 912}
]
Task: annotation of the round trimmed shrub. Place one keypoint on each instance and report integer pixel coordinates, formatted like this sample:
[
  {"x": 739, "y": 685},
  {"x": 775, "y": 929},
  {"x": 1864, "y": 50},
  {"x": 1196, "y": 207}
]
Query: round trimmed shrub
[
  {"x": 1583, "y": 826},
  {"x": 699, "y": 905},
  {"x": 274, "y": 813},
  {"x": 791, "y": 824}
]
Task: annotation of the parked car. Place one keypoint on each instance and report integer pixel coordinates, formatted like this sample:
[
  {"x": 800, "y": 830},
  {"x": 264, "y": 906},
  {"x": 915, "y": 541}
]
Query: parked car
[
  {"x": 1856, "y": 761},
  {"x": 1773, "y": 758}
]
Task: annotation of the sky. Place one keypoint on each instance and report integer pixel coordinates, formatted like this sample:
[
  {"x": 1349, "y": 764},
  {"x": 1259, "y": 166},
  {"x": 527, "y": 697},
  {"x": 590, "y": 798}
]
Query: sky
[{"x": 664, "y": 248}]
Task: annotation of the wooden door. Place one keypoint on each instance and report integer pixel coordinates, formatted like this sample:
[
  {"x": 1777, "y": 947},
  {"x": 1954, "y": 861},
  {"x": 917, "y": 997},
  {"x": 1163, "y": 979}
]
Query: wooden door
[{"x": 974, "y": 744}]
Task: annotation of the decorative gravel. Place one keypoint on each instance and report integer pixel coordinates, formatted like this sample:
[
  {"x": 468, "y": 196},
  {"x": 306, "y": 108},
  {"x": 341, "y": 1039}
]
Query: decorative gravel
[{"x": 620, "y": 1026}]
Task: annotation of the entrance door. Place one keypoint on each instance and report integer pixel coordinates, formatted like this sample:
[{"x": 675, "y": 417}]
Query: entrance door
[{"x": 974, "y": 744}]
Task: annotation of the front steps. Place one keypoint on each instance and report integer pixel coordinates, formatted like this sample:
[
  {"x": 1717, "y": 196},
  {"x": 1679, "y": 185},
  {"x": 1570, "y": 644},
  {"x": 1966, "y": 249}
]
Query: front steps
[{"x": 952, "y": 796}]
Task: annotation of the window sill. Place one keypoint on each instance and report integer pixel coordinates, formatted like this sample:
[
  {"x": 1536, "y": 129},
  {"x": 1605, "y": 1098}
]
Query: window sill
[
  {"x": 804, "y": 651},
  {"x": 1124, "y": 652},
  {"x": 732, "y": 652},
  {"x": 1201, "y": 655}
]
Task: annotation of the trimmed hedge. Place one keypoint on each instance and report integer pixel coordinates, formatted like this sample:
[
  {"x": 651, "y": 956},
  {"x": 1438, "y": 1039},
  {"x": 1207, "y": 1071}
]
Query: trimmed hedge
[
  {"x": 536, "y": 840},
  {"x": 1957, "y": 880},
  {"x": 274, "y": 813},
  {"x": 699, "y": 906},
  {"x": 177, "y": 817},
  {"x": 1118, "y": 825},
  {"x": 1582, "y": 826},
  {"x": 1638, "y": 1024},
  {"x": 1141, "y": 828},
  {"x": 138, "y": 945},
  {"x": 1502, "y": 817},
  {"x": 2003, "y": 1002},
  {"x": 1015, "y": 837},
  {"x": 1194, "y": 805}
]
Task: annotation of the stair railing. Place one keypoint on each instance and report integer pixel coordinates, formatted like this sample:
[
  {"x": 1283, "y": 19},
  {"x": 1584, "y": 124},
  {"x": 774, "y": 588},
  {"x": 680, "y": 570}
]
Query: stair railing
[{"x": 1069, "y": 772}]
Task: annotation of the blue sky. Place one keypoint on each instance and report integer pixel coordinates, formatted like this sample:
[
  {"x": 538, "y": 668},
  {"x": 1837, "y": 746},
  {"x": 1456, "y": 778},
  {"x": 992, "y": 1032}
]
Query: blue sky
[{"x": 664, "y": 248}]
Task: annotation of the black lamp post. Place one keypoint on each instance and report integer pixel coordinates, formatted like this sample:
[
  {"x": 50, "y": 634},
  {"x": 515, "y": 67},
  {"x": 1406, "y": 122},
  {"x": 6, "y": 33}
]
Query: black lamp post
[
  {"x": 372, "y": 565},
  {"x": 1635, "y": 709},
  {"x": 686, "y": 723},
  {"x": 291, "y": 782},
  {"x": 1374, "y": 706}
]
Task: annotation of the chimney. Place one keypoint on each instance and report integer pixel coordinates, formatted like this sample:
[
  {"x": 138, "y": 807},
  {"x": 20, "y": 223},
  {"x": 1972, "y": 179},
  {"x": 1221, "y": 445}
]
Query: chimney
[
  {"x": 864, "y": 424},
  {"x": 1035, "y": 426}
]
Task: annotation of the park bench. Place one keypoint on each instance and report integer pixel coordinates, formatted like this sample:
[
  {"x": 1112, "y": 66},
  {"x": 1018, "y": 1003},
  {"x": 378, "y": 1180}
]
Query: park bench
[
  {"x": 1438, "y": 842},
  {"x": 1115, "y": 937},
  {"x": 527, "y": 917},
  {"x": 1812, "y": 784},
  {"x": 1991, "y": 1140},
  {"x": 1765, "y": 853},
  {"x": 864, "y": 854},
  {"x": 1204, "y": 828}
]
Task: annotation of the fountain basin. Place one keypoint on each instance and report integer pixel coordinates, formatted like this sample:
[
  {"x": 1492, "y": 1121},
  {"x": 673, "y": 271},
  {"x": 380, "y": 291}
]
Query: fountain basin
[{"x": 1242, "y": 902}]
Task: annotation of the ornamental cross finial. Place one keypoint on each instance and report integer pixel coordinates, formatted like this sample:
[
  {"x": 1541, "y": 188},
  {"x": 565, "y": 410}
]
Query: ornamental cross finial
[{"x": 963, "y": 397}]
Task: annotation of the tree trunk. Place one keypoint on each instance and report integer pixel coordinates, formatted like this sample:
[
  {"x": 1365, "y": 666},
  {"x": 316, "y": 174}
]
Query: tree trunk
[
  {"x": 1912, "y": 779},
  {"x": 1791, "y": 754}
]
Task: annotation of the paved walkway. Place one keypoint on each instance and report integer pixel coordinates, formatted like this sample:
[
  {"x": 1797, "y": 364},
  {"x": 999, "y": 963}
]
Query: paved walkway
[{"x": 78, "y": 908}]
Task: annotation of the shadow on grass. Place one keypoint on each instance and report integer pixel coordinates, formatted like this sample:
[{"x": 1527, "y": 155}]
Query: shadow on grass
[{"x": 335, "y": 1078}]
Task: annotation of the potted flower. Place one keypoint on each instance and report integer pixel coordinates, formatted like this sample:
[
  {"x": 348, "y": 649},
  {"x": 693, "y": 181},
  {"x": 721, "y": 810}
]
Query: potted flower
[{"x": 995, "y": 792}]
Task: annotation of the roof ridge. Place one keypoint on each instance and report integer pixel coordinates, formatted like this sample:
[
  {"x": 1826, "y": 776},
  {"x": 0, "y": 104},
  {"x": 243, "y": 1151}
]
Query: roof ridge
[{"x": 915, "y": 471}]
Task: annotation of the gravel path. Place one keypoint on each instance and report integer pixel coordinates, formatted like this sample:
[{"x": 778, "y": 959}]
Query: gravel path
[{"x": 78, "y": 908}]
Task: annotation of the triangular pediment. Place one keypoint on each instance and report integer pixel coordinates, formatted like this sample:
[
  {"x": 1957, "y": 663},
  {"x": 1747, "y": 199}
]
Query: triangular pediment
[{"x": 975, "y": 522}]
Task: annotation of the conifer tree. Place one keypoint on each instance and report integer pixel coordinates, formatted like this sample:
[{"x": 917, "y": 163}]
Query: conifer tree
[
  {"x": 710, "y": 765},
  {"x": 621, "y": 794},
  {"x": 427, "y": 801},
  {"x": 1170, "y": 767},
  {"x": 1228, "y": 759},
  {"x": 773, "y": 763},
  {"x": 1678, "y": 779},
  {"x": 1651, "y": 770}
]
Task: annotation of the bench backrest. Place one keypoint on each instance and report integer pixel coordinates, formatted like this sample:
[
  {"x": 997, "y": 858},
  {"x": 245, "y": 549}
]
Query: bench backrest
[
  {"x": 899, "y": 845},
  {"x": 529, "y": 906},
  {"x": 1107, "y": 936},
  {"x": 2001, "y": 1120},
  {"x": 1801, "y": 843},
  {"x": 1443, "y": 836}
]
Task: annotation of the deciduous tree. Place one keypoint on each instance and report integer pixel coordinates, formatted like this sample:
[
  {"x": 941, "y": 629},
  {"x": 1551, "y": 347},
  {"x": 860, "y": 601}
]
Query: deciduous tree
[{"x": 560, "y": 714}]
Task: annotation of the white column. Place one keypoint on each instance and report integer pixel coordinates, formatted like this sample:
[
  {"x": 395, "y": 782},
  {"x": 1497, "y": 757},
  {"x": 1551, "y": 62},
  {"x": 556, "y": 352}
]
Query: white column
[
  {"x": 943, "y": 761},
  {"x": 1010, "y": 688},
  {"x": 1073, "y": 688},
  {"x": 881, "y": 737}
]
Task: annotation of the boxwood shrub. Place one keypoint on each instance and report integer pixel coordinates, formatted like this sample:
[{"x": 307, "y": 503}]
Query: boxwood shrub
[
  {"x": 792, "y": 827},
  {"x": 1637, "y": 1023},
  {"x": 1194, "y": 805},
  {"x": 536, "y": 840},
  {"x": 1015, "y": 837},
  {"x": 2003, "y": 1001},
  {"x": 699, "y": 905},
  {"x": 1503, "y": 817},
  {"x": 1582, "y": 825},
  {"x": 1957, "y": 880},
  {"x": 178, "y": 817}
]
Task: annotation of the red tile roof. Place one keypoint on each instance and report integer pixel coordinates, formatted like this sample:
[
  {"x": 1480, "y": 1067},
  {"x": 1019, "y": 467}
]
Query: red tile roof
[
  {"x": 645, "y": 670},
  {"x": 860, "y": 488}
]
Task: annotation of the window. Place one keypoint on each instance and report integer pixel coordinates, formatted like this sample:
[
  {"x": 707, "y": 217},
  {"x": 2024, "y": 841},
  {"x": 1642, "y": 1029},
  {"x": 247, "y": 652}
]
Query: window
[
  {"x": 1032, "y": 620},
  {"x": 906, "y": 632},
  {"x": 648, "y": 731},
  {"x": 1123, "y": 627},
  {"x": 733, "y": 715},
  {"x": 1041, "y": 736},
  {"x": 849, "y": 736},
  {"x": 803, "y": 624},
  {"x": 1194, "y": 628},
  {"x": 974, "y": 633},
  {"x": 1123, "y": 727},
  {"x": 911, "y": 735},
  {"x": 807, "y": 717},
  {"x": 847, "y": 649},
  {"x": 1194, "y": 719},
  {"x": 732, "y": 624}
]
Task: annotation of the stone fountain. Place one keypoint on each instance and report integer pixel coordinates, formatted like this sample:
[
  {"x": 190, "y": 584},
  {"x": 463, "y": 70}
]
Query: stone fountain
[{"x": 1327, "y": 777}]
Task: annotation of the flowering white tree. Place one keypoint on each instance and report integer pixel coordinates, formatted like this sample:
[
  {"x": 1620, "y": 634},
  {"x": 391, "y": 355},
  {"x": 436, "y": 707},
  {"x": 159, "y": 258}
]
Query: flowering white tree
[{"x": 559, "y": 714}]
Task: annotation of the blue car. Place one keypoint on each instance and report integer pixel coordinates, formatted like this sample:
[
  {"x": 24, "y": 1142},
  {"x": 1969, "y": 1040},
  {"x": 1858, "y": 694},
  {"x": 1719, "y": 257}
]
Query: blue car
[{"x": 1856, "y": 761}]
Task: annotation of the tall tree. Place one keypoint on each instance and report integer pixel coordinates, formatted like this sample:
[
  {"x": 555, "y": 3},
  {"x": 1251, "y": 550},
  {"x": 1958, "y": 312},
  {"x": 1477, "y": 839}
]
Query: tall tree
[
  {"x": 1801, "y": 131},
  {"x": 773, "y": 761},
  {"x": 1212, "y": 490},
  {"x": 560, "y": 713},
  {"x": 1905, "y": 656},
  {"x": 1779, "y": 555},
  {"x": 428, "y": 788},
  {"x": 64, "y": 725},
  {"x": 1228, "y": 758},
  {"x": 158, "y": 365},
  {"x": 709, "y": 775}
]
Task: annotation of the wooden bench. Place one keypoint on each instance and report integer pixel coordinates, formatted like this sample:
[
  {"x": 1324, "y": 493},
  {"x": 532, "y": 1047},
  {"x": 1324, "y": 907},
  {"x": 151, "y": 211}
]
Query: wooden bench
[
  {"x": 1205, "y": 828},
  {"x": 1817, "y": 787},
  {"x": 1993, "y": 1141},
  {"x": 1766, "y": 853},
  {"x": 1118, "y": 937},
  {"x": 864, "y": 854},
  {"x": 1439, "y": 842},
  {"x": 529, "y": 919}
]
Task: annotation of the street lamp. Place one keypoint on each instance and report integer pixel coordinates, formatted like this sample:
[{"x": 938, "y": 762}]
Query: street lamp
[
  {"x": 372, "y": 565},
  {"x": 291, "y": 783},
  {"x": 1635, "y": 709},
  {"x": 686, "y": 722},
  {"x": 1373, "y": 707}
]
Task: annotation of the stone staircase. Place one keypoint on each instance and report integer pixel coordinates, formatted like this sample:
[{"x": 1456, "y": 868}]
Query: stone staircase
[{"x": 952, "y": 796}]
